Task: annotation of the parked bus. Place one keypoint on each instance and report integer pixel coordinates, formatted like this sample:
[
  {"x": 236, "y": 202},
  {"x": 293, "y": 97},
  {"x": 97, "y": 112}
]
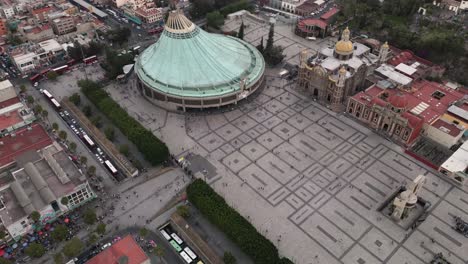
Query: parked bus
[
  {"x": 36, "y": 78},
  {"x": 165, "y": 234},
  {"x": 185, "y": 257},
  {"x": 111, "y": 12},
  {"x": 44, "y": 72},
  {"x": 62, "y": 69},
  {"x": 88, "y": 140},
  {"x": 47, "y": 94},
  {"x": 177, "y": 238},
  {"x": 190, "y": 253},
  {"x": 175, "y": 245},
  {"x": 110, "y": 167},
  {"x": 55, "y": 103},
  {"x": 71, "y": 62},
  {"x": 90, "y": 59},
  {"x": 156, "y": 30}
]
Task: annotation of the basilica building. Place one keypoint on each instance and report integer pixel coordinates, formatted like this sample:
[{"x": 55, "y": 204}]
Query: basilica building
[{"x": 334, "y": 74}]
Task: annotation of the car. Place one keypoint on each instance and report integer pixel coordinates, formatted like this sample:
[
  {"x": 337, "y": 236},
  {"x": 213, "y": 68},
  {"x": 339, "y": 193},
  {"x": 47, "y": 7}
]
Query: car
[
  {"x": 36, "y": 84},
  {"x": 61, "y": 114},
  {"x": 99, "y": 150},
  {"x": 106, "y": 246}
]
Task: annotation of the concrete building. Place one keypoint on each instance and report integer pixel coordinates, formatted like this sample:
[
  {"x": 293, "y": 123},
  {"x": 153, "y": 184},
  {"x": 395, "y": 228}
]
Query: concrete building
[
  {"x": 8, "y": 11},
  {"x": 63, "y": 25},
  {"x": 149, "y": 15},
  {"x": 37, "y": 33},
  {"x": 27, "y": 57},
  {"x": 444, "y": 132},
  {"x": 14, "y": 113},
  {"x": 41, "y": 14},
  {"x": 42, "y": 180},
  {"x": 334, "y": 74},
  {"x": 456, "y": 167}
]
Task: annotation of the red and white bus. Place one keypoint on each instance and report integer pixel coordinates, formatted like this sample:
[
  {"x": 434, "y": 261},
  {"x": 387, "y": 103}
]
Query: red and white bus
[
  {"x": 90, "y": 59},
  {"x": 88, "y": 141},
  {"x": 44, "y": 72},
  {"x": 61, "y": 69},
  {"x": 71, "y": 62},
  {"x": 47, "y": 94},
  {"x": 156, "y": 30},
  {"x": 110, "y": 167},
  {"x": 36, "y": 78}
]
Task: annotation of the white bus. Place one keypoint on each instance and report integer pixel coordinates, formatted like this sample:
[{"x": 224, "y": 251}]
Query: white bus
[
  {"x": 111, "y": 12},
  {"x": 55, "y": 103},
  {"x": 177, "y": 238},
  {"x": 47, "y": 94},
  {"x": 186, "y": 257},
  {"x": 110, "y": 167},
  {"x": 88, "y": 140},
  {"x": 165, "y": 234},
  {"x": 190, "y": 253}
]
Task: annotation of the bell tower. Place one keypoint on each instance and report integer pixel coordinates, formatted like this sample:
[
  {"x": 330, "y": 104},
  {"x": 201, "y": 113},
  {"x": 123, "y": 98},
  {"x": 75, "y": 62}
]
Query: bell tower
[
  {"x": 383, "y": 52},
  {"x": 338, "y": 91}
]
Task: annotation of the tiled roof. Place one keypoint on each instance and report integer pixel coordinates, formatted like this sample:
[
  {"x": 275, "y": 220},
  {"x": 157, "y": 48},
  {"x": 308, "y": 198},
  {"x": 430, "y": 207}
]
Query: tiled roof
[{"x": 125, "y": 247}]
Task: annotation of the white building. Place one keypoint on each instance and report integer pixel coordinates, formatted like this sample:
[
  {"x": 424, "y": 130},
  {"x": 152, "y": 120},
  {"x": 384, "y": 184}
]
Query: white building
[
  {"x": 8, "y": 11},
  {"x": 444, "y": 132},
  {"x": 7, "y": 91},
  {"x": 37, "y": 56},
  {"x": 45, "y": 177},
  {"x": 456, "y": 167}
]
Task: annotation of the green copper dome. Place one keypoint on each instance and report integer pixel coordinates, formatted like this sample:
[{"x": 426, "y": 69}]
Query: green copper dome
[{"x": 189, "y": 62}]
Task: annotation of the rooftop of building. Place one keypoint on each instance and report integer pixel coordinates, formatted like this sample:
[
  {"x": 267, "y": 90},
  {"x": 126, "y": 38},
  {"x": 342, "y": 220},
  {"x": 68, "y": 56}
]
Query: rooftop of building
[
  {"x": 458, "y": 162},
  {"x": 14, "y": 115},
  {"x": 426, "y": 100},
  {"x": 124, "y": 248},
  {"x": 306, "y": 25},
  {"x": 39, "y": 181},
  {"x": 23, "y": 140},
  {"x": 448, "y": 128},
  {"x": 389, "y": 72},
  {"x": 308, "y": 7},
  {"x": 42, "y": 10},
  {"x": 330, "y": 13},
  {"x": 6, "y": 84}
]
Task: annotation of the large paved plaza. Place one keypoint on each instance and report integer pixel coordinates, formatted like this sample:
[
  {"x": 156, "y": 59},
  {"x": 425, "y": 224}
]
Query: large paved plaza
[{"x": 309, "y": 180}]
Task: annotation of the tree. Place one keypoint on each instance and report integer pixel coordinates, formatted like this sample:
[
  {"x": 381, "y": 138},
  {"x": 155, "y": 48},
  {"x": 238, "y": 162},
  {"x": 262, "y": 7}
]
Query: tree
[
  {"x": 183, "y": 211},
  {"x": 241, "y": 31},
  {"x": 73, "y": 248},
  {"x": 228, "y": 258},
  {"x": 4, "y": 261},
  {"x": 101, "y": 228},
  {"x": 51, "y": 75},
  {"x": 214, "y": 19},
  {"x": 87, "y": 110},
  {"x": 83, "y": 160},
  {"x": 2, "y": 235},
  {"x": 270, "y": 40},
  {"x": 72, "y": 146},
  {"x": 96, "y": 120},
  {"x": 91, "y": 170},
  {"x": 22, "y": 88},
  {"x": 159, "y": 251},
  {"x": 60, "y": 233},
  {"x": 63, "y": 135},
  {"x": 55, "y": 126},
  {"x": 75, "y": 99},
  {"x": 35, "y": 250},
  {"x": 143, "y": 232},
  {"x": 35, "y": 216},
  {"x": 30, "y": 99},
  {"x": 38, "y": 109},
  {"x": 64, "y": 201},
  {"x": 260, "y": 46},
  {"x": 89, "y": 216},
  {"x": 110, "y": 133},
  {"x": 58, "y": 258},
  {"x": 115, "y": 62},
  {"x": 14, "y": 39},
  {"x": 45, "y": 114},
  {"x": 274, "y": 56},
  {"x": 93, "y": 238},
  {"x": 124, "y": 149}
]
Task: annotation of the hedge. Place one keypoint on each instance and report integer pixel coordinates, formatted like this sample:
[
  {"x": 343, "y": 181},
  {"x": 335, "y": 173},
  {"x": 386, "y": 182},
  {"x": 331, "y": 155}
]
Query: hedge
[
  {"x": 153, "y": 149},
  {"x": 236, "y": 227}
]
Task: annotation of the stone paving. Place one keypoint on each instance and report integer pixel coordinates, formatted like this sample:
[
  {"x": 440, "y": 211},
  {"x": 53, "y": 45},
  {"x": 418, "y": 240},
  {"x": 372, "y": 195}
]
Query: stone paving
[{"x": 308, "y": 179}]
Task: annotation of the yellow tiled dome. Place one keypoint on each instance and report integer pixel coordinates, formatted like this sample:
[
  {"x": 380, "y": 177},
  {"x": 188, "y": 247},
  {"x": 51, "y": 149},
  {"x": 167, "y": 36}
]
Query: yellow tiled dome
[{"x": 344, "y": 46}]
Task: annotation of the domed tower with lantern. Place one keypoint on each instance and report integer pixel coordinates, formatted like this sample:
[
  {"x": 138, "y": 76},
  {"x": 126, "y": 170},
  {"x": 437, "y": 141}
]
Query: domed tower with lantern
[{"x": 335, "y": 73}]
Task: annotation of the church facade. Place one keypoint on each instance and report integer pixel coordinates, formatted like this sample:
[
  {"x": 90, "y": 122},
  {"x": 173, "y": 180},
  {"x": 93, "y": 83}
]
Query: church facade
[{"x": 334, "y": 74}]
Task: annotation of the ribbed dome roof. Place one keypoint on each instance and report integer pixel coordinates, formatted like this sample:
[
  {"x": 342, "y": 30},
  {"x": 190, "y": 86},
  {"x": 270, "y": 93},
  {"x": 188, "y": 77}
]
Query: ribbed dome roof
[
  {"x": 188, "y": 61},
  {"x": 344, "y": 46}
]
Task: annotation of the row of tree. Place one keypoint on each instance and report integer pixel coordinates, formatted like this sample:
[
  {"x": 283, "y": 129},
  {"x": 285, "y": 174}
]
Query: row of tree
[
  {"x": 153, "y": 149},
  {"x": 236, "y": 227}
]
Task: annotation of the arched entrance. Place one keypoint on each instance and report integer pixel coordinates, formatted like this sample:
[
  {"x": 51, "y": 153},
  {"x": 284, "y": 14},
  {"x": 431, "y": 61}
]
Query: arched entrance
[
  {"x": 315, "y": 92},
  {"x": 385, "y": 127},
  {"x": 329, "y": 98}
]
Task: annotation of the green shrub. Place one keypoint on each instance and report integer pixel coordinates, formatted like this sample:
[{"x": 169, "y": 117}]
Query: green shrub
[
  {"x": 236, "y": 227},
  {"x": 154, "y": 150}
]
